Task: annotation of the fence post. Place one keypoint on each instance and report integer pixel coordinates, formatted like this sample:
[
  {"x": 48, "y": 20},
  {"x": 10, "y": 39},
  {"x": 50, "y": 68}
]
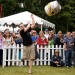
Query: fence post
[
  {"x": 48, "y": 54},
  {"x": 13, "y": 54},
  {"x": 37, "y": 60}
]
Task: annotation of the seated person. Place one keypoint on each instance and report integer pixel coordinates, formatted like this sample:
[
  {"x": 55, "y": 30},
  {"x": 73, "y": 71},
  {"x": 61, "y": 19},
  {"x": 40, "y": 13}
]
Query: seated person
[{"x": 56, "y": 59}]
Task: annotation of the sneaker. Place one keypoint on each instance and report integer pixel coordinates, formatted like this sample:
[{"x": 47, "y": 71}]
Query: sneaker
[
  {"x": 20, "y": 63},
  {"x": 67, "y": 66}
]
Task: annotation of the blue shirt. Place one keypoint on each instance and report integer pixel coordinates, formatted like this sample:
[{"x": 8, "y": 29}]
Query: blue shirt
[
  {"x": 69, "y": 41},
  {"x": 34, "y": 38}
]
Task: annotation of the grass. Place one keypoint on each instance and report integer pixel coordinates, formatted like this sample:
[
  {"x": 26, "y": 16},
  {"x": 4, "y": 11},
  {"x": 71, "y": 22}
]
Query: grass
[{"x": 37, "y": 70}]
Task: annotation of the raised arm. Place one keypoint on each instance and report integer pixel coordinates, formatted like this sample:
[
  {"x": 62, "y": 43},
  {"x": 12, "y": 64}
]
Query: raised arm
[
  {"x": 30, "y": 25},
  {"x": 33, "y": 22}
]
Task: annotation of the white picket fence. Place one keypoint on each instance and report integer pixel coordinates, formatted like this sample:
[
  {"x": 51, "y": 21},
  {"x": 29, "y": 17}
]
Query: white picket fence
[{"x": 11, "y": 55}]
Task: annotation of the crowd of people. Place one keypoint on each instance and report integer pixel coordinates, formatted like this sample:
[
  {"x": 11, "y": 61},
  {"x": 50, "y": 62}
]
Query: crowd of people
[{"x": 43, "y": 38}]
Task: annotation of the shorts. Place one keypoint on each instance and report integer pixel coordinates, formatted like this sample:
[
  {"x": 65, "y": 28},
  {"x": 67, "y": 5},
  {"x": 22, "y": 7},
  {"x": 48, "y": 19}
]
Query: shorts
[{"x": 29, "y": 52}]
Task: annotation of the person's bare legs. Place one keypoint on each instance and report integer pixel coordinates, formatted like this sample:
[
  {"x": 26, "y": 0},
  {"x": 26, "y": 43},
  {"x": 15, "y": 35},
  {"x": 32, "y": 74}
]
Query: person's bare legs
[{"x": 30, "y": 65}]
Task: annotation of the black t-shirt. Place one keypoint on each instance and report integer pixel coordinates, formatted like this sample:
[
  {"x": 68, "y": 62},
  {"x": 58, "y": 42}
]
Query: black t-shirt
[
  {"x": 27, "y": 41},
  {"x": 58, "y": 41}
]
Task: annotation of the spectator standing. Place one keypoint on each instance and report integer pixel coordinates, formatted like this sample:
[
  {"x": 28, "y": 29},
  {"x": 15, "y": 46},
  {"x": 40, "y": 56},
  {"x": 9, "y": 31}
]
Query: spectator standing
[
  {"x": 18, "y": 40},
  {"x": 42, "y": 41},
  {"x": 8, "y": 41},
  {"x": 34, "y": 39},
  {"x": 46, "y": 33},
  {"x": 68, "y": 47},
  {"x": 51, "y": 39},
  {"x": 59, "y": 39}
]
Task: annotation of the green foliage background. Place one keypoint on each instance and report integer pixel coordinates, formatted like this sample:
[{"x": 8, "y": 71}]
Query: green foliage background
[{"x": 64, "y": 20}]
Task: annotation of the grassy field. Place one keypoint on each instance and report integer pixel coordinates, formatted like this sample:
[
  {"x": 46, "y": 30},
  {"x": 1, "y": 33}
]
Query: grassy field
[{"x": 37, "y": 70}]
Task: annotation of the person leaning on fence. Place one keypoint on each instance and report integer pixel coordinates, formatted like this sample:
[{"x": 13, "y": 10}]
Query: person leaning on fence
[
  {"x": 41, "y": 40},
  {"x": 8, "y": 41},
  {"x": 28, "y": 51},
  {"x": 34, "y": 39},
  {"x": 56, "y": 60},
  {"x": 51, "y": 39},
  {"x": 17, "y": 39},
  {"x": 59, "y": 39}
]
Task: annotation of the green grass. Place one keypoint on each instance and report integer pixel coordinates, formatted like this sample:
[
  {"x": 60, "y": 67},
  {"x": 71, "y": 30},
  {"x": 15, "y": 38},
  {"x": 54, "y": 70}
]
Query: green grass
[{"x": 37, "y": 70}]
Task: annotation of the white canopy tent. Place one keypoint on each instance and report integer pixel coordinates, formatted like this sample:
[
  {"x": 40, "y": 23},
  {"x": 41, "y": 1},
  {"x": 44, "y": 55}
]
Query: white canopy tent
[
  {"x": 2, "y": 28},
  {"x": 24, "y": 17}
]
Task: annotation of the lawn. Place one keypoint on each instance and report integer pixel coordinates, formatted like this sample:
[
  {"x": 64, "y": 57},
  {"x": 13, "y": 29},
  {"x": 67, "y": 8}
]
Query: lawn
[{"x": 37, "y": 70}]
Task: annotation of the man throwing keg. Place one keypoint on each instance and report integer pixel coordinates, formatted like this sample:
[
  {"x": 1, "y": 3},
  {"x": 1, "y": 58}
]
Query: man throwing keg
[{"x": 28, "y": 51}]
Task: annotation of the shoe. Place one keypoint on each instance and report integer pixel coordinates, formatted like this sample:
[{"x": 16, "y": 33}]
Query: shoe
[
  {"x": 20, "y": 64},
  {"x": 67, "y": 66}
]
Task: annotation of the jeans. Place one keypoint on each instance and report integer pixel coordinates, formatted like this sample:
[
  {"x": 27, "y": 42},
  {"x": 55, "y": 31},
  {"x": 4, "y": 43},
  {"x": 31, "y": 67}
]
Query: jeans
[
  {"x": 68, "y": 58},
  {"x": 74, "y": 58}
]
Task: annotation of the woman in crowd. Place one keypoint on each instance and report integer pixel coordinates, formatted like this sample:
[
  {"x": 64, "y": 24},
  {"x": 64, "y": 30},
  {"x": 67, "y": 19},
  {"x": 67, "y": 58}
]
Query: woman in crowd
[
  {"x": 8, "y": 41},
  {"x": 42, "y": 41}
]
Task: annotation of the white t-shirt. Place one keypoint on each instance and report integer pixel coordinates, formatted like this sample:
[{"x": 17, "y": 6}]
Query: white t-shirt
[{"x": 46, "y": 36}]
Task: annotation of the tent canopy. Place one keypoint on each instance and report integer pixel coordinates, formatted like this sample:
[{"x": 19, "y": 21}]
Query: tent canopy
[{"x": 24, "y": 17}]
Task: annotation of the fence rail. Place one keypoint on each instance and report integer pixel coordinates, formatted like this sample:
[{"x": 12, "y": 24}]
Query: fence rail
[{"x": 13, "y": 54}]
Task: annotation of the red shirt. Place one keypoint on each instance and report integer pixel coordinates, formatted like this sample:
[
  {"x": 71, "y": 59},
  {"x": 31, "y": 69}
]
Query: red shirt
[{"x": 42, "y": 41}]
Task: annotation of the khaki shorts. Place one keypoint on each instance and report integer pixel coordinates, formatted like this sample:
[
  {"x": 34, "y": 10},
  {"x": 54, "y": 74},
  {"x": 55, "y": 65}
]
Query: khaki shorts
[{"x": 29, "y": 52}]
